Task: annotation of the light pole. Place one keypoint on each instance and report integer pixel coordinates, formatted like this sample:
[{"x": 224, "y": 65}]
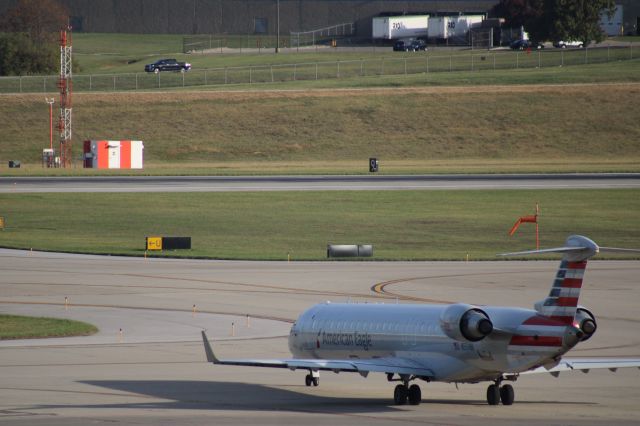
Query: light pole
[
  {"x": 277, "y": 26},
  {"x": 50, "y": 101}
]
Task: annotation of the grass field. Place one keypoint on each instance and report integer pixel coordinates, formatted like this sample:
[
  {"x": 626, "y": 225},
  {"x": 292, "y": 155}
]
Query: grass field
[
  {"x": 400, "y": 224},
  {"x": 20, "y": 327},
  {"x": 336, "y": 68},
  {"x": 127, "y": 53},
  {"x": 110, "y": 62},
  {"x": 581, "y": 128},
  {"x": 333, "y": 125},
  {"x": 415, "y": 69}
]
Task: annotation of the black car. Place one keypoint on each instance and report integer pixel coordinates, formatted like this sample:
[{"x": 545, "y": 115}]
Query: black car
[
  {"x": 167, "y": 65},
  {"x": 525, "y": 45},
  {"x": 409, "y": 45},
  {"x": 417, "y": 45},
  {"x": 399, "y": 46}
]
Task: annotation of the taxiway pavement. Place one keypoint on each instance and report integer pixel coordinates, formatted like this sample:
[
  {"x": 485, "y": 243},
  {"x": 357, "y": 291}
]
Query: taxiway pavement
[
  {"x": 155, "y": 372},
  {"x": 316, "y": 183}
]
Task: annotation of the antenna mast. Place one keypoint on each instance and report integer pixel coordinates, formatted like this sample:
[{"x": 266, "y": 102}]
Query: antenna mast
[{"x": 64, "y": 84}]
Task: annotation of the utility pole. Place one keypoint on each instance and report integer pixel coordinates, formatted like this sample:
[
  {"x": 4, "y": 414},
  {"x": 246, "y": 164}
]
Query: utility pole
[
  {"x": 194, "y": 26},
  {"x": 277, "y": 26},
  {"x": 50, "y": 101}
]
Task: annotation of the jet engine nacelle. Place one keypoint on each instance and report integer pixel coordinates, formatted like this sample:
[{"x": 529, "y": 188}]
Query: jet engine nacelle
[
  {"x": 465, "y": 323},
  {"x": 586, "y": 322}
]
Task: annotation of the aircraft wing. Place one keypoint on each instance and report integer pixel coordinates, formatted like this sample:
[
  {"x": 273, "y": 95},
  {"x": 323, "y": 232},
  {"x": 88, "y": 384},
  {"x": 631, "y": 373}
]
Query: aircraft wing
[
  {"x": 586, "y": 364},
  {"x": 362, "y": 366}
]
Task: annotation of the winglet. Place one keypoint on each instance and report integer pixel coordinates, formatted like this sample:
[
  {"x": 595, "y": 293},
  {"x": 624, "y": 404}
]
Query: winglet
[{"x": 208, "y": 350}]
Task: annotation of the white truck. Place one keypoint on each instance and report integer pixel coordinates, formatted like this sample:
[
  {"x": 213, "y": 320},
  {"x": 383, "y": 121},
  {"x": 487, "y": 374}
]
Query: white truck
[
  {"x": 396, "y": 27},
  {"x": 445, "y": 27}
]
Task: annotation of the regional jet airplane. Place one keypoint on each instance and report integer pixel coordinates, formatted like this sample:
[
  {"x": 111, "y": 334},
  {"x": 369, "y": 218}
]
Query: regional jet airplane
[{"x": 456, "y": 343}]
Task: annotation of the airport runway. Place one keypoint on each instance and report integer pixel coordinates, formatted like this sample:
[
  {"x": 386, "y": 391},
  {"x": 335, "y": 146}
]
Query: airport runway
[
  {"x": 316, "y": 183},
  {"x": 154, "y": 372}
]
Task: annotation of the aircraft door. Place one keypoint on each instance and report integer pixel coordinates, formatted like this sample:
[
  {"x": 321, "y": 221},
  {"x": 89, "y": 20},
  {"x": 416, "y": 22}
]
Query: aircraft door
[{"x": 114, "y": 155}]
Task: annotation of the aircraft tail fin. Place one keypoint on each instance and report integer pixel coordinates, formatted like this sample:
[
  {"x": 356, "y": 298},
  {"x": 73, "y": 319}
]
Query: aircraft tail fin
[{"x": 562, "y": 302}]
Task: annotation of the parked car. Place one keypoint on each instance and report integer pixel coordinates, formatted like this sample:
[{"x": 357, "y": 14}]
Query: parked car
[
  {"x": 167, "y": 65},
  {"x": 401, "y": 45},
  {"x": 417, "y": 45},
  {"x": 525, "y": 45},
  {"x": 409, "y": 45},
  {"x": 564, "y": 44}
]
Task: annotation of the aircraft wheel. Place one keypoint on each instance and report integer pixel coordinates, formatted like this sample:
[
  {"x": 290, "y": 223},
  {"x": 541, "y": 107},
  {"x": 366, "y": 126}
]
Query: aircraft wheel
[
  {"x": 493, "y": 395},
  {"x": 400, "y": 395},
  {"x": 415, "y": 395},
  {"x": 507, "y": 395},
  {"x": 308, "y": 380},
  {"x": 315, "y": 381}
]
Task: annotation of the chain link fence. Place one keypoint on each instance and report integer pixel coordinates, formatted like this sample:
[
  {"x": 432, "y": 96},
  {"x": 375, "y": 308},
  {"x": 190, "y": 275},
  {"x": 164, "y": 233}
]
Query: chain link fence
[
  {"x": 209, "y": 43},
  {"x": 311, "y": 38},
  {"x": 415, "y": 63},
  {"x": 216, "y": 44}
]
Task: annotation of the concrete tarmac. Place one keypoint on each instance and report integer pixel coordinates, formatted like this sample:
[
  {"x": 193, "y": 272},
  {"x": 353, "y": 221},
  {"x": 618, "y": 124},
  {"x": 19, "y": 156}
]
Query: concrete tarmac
[{"x": 155, "y": 371}]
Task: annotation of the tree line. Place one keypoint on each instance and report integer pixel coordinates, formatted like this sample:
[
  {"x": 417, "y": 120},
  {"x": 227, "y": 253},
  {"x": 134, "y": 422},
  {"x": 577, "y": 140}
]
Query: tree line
[
  {"x": 29, "y": 37},
  {"x": 555, "y": 20}
]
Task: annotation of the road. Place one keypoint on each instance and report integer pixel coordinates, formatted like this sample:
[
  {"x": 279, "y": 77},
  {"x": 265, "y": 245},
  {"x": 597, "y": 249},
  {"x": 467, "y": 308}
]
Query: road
[
  {"x": 154, "y": 371},
  {"x": 315, "y": 183}
]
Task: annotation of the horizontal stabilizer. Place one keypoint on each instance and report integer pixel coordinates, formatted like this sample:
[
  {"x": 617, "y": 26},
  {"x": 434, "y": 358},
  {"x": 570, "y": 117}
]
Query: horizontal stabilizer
[
  {"x": 549, "y": 250},
  {"x": 618, "y": 250},
  {"x": 576, "y": 249}
]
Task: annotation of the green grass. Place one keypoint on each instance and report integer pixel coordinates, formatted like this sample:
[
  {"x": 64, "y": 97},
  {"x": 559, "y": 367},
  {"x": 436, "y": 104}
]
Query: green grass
[
  {"x": 127, "y": 53},
  {"x": 124, "y": 55},
  {"x": 99, "y": 53},
  {"x": 379, "y": 72},
  {"x": 21, "y": 327},
  {"x": 268, "y": 225},
  {"x": 629, "y": 39}
]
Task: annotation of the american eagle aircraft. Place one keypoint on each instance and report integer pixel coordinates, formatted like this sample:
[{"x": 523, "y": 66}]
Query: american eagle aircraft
[{"x": 456, "y": 343}]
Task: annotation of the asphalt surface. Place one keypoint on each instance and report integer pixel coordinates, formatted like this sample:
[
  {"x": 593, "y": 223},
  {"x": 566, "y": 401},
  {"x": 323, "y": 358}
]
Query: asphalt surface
[
  {"x": 315, "y": 183},
  {"x": 154, "y": 371}
]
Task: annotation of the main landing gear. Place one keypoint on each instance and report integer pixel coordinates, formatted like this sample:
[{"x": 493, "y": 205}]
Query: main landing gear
[
  {"x": 497, "y": 393},
  {"x": 313, "y": 378},
  {"x": 404, "y": 393}
]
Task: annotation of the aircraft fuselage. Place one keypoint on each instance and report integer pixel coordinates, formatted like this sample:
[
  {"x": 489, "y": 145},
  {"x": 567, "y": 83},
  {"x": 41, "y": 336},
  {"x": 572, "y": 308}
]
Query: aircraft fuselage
[{"x": 420, "y": 333}]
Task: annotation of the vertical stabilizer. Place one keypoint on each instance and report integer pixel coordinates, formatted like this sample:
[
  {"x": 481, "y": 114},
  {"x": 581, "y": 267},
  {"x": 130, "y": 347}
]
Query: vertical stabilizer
[{"x": 562, "y": 302}]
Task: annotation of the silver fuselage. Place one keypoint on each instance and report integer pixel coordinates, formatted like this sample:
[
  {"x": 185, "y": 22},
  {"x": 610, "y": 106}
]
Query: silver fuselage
[{"x": 415, "y": 333}]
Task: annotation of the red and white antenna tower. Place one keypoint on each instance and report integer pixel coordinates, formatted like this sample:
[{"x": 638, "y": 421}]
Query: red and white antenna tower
[{"x": 64, "y": 125}]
